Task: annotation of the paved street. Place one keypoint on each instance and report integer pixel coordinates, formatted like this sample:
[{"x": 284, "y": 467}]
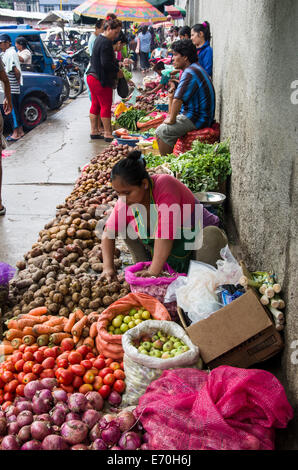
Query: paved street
[{"x": 41, "y": 173}]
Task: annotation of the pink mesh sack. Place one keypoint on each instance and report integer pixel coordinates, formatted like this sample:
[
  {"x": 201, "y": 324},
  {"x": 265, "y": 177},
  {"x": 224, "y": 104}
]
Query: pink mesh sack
[
  {"x": 157, "y": 287},
  {"x": 227, "y": 409}
]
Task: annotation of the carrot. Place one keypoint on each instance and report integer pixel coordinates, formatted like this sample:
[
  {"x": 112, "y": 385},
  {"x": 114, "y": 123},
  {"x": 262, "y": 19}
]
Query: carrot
[
  {"x": 78, "y": 341},
  {"x": 78, "y": 327},
  {"x": 70, "y": 322},
  {"x": 29, "y": 340},
  {"x": 38, "y": 311},
  {"x": 28, "y": 330},
  {"x": 46, "y": 330},
  {"x": 6, "y": 349},
  {"x": 89, "y": 342},
  {"x": 93, "y": 330},
  {"x": 37, "y": 320},
  {"x": 29, "y": 322},
  {"x": 12, "y": 323},
  {"x": 43, "y": 340},
  {"x": 13, "y": 333},
  {"x": 53, "y": 321},
  {"x": 16, "y": 343},
  {"x": 56, "y": 338},
  {"x": 93, "y": 317},
  {"x": 79, "y": 314}
]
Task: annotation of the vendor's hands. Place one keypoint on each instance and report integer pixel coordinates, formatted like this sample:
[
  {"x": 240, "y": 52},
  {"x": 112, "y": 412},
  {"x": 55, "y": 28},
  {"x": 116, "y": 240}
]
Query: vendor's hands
[
  {"x": 146, "y": 273},
  {"x": 109, "y": 274},
  {"x": 169, "y": 121}
]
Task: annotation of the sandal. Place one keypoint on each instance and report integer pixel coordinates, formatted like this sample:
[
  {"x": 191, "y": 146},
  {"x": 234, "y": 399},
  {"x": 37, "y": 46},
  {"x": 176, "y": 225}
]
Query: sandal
[
  {"x": 3, "y": 211},
  {"x": 11, "y": 139},
  {"x": 96, "y": 136}
]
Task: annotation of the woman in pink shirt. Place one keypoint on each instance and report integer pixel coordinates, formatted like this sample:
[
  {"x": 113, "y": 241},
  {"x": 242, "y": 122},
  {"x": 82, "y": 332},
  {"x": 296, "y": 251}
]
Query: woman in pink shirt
[{"x": 158, "y": 210}]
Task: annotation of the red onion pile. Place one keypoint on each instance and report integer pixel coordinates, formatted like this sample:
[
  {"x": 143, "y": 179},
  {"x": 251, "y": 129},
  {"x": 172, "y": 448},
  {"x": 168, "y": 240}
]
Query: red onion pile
[{"x": 47, "y": 418}]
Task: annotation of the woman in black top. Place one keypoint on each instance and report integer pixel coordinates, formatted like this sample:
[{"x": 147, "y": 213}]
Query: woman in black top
[{"x": 102, "y": 78}]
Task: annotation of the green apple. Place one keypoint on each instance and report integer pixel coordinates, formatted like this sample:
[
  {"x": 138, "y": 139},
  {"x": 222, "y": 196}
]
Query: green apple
[
  {"x": 166, "y": 355},
  {"x": 137, "y": 316},
  {"x": 144, "y": 352},
  {"x": 131, "y": 324},
  {"x": 173, "y": 338},
  {"x": 140, "y": 348},
  {"x": 124, "y": 327},
  {"x": 152, "y": 353},
  {"x": 155, "y": 338},
  {"x": 138, "y": 321},
  {"x": 145, "y": 315},
  {"x": 157, "y": 353},
  {"x": 167, "y": 346},
  {"x": 177, "y": 344},
  {"x": 163, "y": 339},
  {"x": 111, "y": 328},
  {"x": 147, "y": 345},
  {"x": 159, "y": 334},
  {"x": 117, "y": 321},
  {"x": 132, "y": 311},
  {"x": 185, "y": 348},
  {"x": 158, "y": 344},
  {"x": 117, "y": 331},
  {"x": 126, "y": 319}
]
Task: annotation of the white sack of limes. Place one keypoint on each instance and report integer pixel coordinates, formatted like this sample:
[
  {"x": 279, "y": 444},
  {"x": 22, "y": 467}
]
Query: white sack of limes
[{"x": 141, "y": 369}]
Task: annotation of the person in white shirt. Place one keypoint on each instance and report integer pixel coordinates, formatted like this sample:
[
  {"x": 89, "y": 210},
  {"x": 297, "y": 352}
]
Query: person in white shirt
[
  {"x": 6, "y": 107},
  {"x": 25, "y": 56}
]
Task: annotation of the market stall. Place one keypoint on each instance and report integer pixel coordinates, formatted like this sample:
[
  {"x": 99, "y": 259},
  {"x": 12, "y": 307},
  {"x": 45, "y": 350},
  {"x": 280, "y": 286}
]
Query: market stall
[{"x": 98, "y": 365}]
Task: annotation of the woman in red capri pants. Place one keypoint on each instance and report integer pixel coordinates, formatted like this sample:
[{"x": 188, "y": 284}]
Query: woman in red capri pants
[{"x": 101, "y": 78}]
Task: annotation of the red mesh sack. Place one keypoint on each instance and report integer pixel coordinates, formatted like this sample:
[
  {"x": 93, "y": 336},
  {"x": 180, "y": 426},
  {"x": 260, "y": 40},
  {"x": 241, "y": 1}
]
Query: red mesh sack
[
  {"x": 209, "y": 135},
  {"x": 227, "y": 409}
]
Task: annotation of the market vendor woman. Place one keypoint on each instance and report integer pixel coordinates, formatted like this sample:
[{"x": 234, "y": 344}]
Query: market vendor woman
[{"x": 159, "y": 218}]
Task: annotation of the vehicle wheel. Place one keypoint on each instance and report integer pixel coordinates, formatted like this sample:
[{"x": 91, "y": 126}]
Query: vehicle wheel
[
  {"x": 65, "y": 91},
  {"x": 33, "y": 112},
  {"x": 76, "y": 85}
]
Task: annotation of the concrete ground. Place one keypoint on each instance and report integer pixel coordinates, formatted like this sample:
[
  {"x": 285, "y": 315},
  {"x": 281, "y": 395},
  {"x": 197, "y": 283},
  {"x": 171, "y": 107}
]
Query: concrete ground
[{"x": 41, "y": 173}]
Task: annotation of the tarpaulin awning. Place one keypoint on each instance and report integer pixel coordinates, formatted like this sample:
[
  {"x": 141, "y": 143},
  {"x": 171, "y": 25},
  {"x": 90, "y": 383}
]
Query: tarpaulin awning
[{"x": 175, "y": 12}]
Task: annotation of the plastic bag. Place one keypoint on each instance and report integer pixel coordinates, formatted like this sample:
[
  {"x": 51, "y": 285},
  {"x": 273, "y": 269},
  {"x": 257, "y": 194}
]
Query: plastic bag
[
  {"x": 228, "y": 269},
  {"x": 132, "y": 100},
  {"x": 140, "y": 370},
  {"x": 228, "y": 409},
  {"x": 157, "y": 287},
  {"x": 111, "y": 345},
  {"x": 6, "y": 274}
]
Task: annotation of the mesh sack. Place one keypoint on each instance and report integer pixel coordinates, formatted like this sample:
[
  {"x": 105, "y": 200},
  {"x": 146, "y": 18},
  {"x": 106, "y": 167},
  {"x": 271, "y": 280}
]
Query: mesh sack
[
  {"x": 227, "y": 409},
  {"x": 6, "y": 274},
  {"x": 209, "y": 135}
]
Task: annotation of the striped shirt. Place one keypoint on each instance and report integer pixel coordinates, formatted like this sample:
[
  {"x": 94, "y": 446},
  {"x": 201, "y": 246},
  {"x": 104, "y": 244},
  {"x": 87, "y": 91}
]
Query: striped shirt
[
  {"x": 197, "y": 93},
  {"x": 11, "y": 60}
]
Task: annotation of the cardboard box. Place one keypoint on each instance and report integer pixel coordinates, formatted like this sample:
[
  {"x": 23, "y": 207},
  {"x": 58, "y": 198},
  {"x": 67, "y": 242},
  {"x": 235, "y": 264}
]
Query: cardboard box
[{"x": 240, "y": 334}]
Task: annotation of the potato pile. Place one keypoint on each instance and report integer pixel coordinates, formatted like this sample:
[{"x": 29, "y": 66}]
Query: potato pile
[
  {"x": 147, "y": 103},
  {"x": 61, "y": 271}
]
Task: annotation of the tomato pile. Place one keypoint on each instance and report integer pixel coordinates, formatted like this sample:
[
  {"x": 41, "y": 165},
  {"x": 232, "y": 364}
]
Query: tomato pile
[{"x": 75, "y": 370}]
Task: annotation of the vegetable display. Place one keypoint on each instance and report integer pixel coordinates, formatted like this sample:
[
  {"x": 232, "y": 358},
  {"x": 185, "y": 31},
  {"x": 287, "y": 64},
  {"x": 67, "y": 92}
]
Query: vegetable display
[
  {"x": 122, "y": 323},
  {"x": 161, "y": 345},
  {"x": 129, "y": 119}
]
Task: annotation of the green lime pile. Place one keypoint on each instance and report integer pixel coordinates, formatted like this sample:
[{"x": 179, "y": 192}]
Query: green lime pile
[
  {"x": 161, "y": 345},
  {"x": 123, "y": 323}
]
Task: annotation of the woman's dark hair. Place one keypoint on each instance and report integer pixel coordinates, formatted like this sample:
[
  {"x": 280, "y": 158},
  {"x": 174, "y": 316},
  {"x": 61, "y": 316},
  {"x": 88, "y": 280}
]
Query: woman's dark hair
[
  {"x": 111, "y": 16},
  {"x": 113, "y": 24},
  {"x": 205, "y": 28},
  {"x": 159, "y": 66},
  {"x": 22, "y": 41},
  {"x": 176, "y": 28},
  {"x": 144, "y": 29},
  {"x": 131, "y": 169},
  {"x": 99, "y": 23},
  {"x": 186, "y": 48},
  {"x": 121, "y": 38},
  {"x": 185, "y": 30}
]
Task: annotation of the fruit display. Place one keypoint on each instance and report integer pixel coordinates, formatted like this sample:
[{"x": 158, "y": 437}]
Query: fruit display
[
  {"x": 122, "y": 323},
  {"x": 161, "y": 345}
]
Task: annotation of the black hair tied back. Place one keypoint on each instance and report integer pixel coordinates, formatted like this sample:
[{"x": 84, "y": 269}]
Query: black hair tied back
[{"x": 131, "y": 169}]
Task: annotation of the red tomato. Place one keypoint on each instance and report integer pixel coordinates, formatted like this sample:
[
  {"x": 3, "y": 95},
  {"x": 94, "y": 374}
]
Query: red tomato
[
  {"x": 8, "y": 402},
  {"x": 7, "y": 376},
  {"x": 122, "y": 365},
  {"x": 1, "y": 384},
  {"x": 105, "y": 371},
  {"x": 89, "y": 377},
  {"x": 99, "y": 363},
  {"x": 22, "y": 348},
  {"x": 119, "y": 386},
  {"x": 109, "y": 379},
  {"x": 64, "y": 355},
  {"x": 67, "y": 344},
  {"x": 48, "y": 363},
  {"x": 86, "y": 363},
  {"x": 78, "y": 369},
  {"x": 16, "y": 357},
  {"x": 67, "y": 388},
  {"x": 47, "y": 373},
  {"x": 11, "y": 386},
  {"x": 29, "y": 377},
  {"x": 33, "y": 348},
  {"x": 109, "y": 361},
  {"x": 42, "y": 348},
  {"x": 30, "y": 349},
  {"x": 77, "y": 382},
  {"x": 65, "y": 376},
  {"x": 115, "y": 365},
  {"x": 19, "y": 365},
  {"x": 39, "y": 356},
  {"x": 119, "y": 374},
  {"x": 85, "y": 388},
  {"x": 28, "y": 366},
  {"x": 98, "y": 382},
  {"x": 28, "y": 356},
  {"x": 20, "y": 390},
  {"x": 90, "y": 355},
  {"x": 1, "y": 399},
  {"x": 9, "y": 366},
  {"x": 21, "y": 375},
  {"x": 49, "y": 352},
  {"x": 94, "y": 370},
  {"x": 62, "y": 362},
  {"x": 83, "y": 350},
  {"x": 57, "y": 350},
  {"x": 75, "y": 357},
  {"x": 37, "y": 369},
  {"x": 105, "y": 391}
]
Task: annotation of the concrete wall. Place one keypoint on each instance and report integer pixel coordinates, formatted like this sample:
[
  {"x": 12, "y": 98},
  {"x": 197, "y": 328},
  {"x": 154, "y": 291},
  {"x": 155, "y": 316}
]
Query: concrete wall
[{"x": 255, "y": 62}]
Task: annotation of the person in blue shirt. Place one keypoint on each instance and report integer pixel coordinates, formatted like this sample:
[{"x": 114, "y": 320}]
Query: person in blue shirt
[
  {"x": 192, "y": 104},
  {"x": 201, "y": 36},
  {"x": 144, "y": 42}
]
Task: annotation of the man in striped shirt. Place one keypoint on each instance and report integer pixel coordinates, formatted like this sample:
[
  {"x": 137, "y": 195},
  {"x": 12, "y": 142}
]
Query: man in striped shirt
[
  {"x": 13, "y": 70},
  {"x": 192, "y": 104}
]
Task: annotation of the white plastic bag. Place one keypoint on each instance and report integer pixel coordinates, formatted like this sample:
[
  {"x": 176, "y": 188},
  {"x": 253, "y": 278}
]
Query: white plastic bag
[
  {"x": 228, "y": 270},
  {"x": 140, "y": 370}
]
